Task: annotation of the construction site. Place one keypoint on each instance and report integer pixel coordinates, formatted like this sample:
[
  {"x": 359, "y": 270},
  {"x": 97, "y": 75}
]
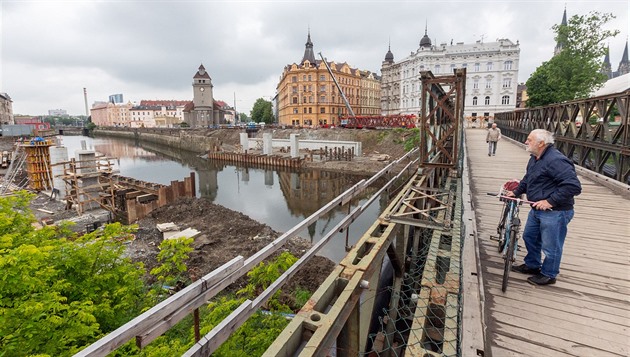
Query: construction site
[{"x": 85, "y": 183}]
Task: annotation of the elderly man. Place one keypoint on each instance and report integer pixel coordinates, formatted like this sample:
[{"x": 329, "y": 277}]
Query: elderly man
[
  {"x": 551, "y": 183},
  {"x": 492, "y": 137}
]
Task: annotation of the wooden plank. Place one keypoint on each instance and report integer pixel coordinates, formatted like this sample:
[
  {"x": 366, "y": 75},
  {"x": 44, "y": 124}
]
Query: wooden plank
[
  {"x": 587, "y": 312},
  {"x": 557, "y": 337},
  {"x": 121, "y": 335}
]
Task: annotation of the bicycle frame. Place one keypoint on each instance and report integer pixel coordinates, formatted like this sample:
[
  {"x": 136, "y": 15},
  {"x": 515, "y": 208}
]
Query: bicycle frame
[{"x": 508, "y": 229}]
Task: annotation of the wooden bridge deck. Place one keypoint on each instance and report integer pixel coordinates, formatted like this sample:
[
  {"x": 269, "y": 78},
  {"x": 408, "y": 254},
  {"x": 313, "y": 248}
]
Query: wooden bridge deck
[{"x": 587, "y": 311}]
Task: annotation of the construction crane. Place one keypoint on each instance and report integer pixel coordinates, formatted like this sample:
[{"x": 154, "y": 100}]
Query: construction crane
[{"x": 350, "y": 111}]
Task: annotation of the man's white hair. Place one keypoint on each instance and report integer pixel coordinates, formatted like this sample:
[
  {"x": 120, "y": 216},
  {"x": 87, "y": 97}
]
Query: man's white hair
[{"x": 543, "y": 135}]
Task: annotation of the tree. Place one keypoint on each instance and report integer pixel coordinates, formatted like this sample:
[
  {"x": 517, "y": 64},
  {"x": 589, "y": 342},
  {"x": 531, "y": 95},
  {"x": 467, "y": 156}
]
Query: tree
[
  {"x": 243, "y": 118},
  {"x": 58, "y": 292},
  {"x": 261, "y": 112},
  {"x": 574, "y": 72}
]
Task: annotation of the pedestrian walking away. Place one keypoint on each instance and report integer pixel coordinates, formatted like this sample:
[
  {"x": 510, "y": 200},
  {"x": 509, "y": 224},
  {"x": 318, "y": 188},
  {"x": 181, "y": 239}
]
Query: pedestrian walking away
[
  {"x": 492, "y": 137},
  {"x": 551, "y": 183}
]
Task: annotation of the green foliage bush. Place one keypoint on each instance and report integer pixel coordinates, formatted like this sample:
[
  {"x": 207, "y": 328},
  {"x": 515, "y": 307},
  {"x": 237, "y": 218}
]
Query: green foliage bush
[{"x": 60, "y": 292}]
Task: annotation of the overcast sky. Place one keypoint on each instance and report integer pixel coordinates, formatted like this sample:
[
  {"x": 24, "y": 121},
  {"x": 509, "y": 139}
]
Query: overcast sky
[{"x": 51, "y": 50}]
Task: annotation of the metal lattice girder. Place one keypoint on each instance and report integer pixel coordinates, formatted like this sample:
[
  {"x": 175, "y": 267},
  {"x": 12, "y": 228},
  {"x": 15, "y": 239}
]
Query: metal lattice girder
[
  {"x": 603, "y": 147},
  {"x": 440, "y": 116},
  {"x": 420, "y": 206}
]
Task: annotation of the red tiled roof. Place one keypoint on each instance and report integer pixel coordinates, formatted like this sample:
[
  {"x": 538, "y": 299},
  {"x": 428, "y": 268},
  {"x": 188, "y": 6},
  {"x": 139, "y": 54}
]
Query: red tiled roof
[
  {"x": 189, "y": 107},
  {"x": 166, "y": 103}
]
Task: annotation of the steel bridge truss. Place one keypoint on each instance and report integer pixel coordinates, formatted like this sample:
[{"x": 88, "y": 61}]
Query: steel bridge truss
[
  {"x": 397, "y": 292},
  {"x": 440, "y": 119},
  {"x": 398, "y": 289},
  {"x": 594, "y": 132}
]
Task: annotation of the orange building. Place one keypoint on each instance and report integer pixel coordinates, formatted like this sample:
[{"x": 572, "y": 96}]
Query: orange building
[{"x": 308, "y": 96}]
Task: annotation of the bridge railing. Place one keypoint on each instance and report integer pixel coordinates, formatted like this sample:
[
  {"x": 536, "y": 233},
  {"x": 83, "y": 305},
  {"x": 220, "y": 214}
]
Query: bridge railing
[{"x": 594, "y": 132}]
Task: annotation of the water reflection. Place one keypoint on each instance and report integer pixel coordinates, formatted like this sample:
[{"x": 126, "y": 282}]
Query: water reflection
[{"x": 280, "y": 198}]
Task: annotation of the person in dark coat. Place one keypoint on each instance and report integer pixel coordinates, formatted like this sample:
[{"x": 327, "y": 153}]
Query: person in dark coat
[{"x": 551, "y": 183}]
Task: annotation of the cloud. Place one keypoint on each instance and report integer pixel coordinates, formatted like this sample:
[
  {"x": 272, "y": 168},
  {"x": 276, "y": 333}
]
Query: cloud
[{"x": 151, "y": 49}]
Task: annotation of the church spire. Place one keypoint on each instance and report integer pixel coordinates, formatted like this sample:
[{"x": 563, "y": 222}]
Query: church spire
[
  {"x": 308, "y": 51},
  {"x": 606, "y": 67},
  {"x": 624, "y": 65},
  {"x": 561, "y": 39}
]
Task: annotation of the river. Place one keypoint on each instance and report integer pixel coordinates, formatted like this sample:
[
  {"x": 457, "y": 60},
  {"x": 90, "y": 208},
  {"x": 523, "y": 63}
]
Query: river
[{"x": 279, "y": 198}]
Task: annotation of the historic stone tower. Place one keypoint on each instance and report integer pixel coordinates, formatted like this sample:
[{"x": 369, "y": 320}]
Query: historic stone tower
[{"x": 202, "y": 114}]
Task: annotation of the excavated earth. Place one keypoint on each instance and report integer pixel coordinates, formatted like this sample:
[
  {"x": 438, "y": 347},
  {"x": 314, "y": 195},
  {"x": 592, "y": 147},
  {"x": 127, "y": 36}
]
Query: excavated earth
[{"x": 225, "y": 234}]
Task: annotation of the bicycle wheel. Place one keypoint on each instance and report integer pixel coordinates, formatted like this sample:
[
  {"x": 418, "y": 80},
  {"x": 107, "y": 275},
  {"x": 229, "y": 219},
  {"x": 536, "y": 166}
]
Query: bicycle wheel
[
  {"x": 509, "y": 258},
  {"x": 501, "y": 227}
]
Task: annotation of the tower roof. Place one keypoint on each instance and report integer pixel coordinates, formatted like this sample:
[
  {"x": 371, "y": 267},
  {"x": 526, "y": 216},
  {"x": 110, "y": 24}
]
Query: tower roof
[
  {"x": 624, "y": 57},
  {"x": 308, "y": 51},
  {"x": 201, "y": 73},
  {"x": 425, "y": 41},
  {"x": 561, "y": 37},
  {"x": 389, "y": 56}
]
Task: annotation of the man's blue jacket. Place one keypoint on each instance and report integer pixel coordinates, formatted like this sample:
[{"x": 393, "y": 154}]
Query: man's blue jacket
[{"x": 551, "y": 178}]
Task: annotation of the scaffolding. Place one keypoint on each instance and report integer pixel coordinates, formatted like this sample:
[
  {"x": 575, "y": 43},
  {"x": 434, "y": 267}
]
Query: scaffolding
[
  {"x": 18, "y": 158},
  {"x": 89, "y": 184},
  {"x": 38, "y": 164}
]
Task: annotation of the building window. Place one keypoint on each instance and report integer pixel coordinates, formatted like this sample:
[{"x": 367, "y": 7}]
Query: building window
[
  {"x": 294, "y": 89},
  {"x": 474, "y": 115},
  {"x": 464, "y": 65},
  {"x": 489, "y": 66},
  {"x": 488, "y": 84},
  {"x": 310, "y": 110},
  {"x": 507, "y": 65},
  {"x": 507, "y": 82},
  {"x": 476, "y": 84},
  {"x": 294, "y": 79},
  {"x": 295, "y": 110},
  {"x": 304, "y": 78},
  {"x": 322, "y": 88},
  {"x": 309, "y": 78},
  {"x": 474, "y": 100},
  {"x": 477, "y": 66},
  {"x": 304, "y": 110},
  {"x": 304, "y": 99},
  {"x": 322, "y": 77},
  {"x": 310, "y": 99},
  {"x": 487, "y": 101},
  {"x": 322, "y": 110},
  {"x": 295, "y": 100},
  {"x": 452, "y": 67},
  {"x": 505, "y": 99},
  {"x": 437, "y": 68},
  {"x": 322, "y": 99}
]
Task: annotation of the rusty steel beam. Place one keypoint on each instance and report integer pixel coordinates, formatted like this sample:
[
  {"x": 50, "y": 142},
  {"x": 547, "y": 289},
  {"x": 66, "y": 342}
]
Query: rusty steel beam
[
  {"x": 440, "y": 116},
  {"x": 603, "y": 147}
]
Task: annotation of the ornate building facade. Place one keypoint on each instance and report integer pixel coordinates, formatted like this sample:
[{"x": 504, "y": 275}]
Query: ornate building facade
[
  {"x": 6, "y": 109},
  {"x": 307, "y": 94},
  {"x": 491, "y": 76}
]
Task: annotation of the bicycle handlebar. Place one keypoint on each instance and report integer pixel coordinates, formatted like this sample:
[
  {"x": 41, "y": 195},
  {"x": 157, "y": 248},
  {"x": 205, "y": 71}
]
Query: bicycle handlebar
[{"x": 509, "y": 198}]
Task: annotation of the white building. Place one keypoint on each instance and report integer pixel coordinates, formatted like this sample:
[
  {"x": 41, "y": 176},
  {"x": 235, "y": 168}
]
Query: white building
[
  {"x": 58, "y": 112},
  {"x": 491, "y": 76}
]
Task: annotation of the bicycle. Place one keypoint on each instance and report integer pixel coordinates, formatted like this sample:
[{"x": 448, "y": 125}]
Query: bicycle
[{"x": 508, "y": 228}]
